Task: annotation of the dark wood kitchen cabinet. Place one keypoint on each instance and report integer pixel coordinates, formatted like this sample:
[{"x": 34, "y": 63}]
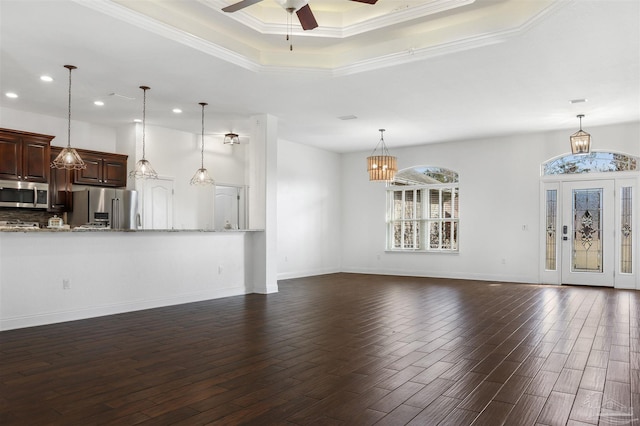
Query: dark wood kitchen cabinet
[
  {"x": 103, "y": 169},
  {"x": 60, "y": 197},
  {"x": 24, "y": 156}
]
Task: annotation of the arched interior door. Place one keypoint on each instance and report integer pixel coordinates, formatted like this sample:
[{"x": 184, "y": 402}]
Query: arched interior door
[{"x": 157, "y": 204}]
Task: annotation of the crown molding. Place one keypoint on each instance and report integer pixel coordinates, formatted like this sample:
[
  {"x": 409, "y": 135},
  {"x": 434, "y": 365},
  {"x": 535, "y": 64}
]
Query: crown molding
[
  {"x": 145, "y": 22},
  {"x": 400, "y": 57}
]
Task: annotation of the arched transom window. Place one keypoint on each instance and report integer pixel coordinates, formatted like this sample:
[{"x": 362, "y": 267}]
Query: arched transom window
[{"x": 594, "y": 162}]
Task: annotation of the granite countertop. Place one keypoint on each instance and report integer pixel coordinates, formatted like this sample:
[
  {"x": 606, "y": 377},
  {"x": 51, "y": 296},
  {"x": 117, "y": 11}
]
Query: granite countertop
[{"x": 108, "y": 230}]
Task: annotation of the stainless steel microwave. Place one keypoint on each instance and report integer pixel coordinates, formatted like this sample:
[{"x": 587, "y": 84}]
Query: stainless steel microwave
[{"x": 32, "y": 195}]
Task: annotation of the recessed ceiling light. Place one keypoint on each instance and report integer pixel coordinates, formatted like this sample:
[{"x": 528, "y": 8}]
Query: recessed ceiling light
[
  {"x": 46, "y": 78},
  {"x": 577, "y": 101},
  {"x": 11, "y": 95},
  {"x": 98, "y": 103},
  {"x": 177, "y": 110},
  {"x": 137, "y": 120}
]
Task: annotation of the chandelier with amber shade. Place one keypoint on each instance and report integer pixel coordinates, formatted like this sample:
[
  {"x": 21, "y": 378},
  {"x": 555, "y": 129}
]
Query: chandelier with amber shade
[{"x": 380, "y": 164}]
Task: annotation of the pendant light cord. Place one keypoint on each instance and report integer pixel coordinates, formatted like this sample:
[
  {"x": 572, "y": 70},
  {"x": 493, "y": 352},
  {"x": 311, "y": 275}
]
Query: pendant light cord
[
  {"x": 70, "y": 68},
  {"x": 69, "y": 114},
  {"x": 381, "y": 144},
  {"x": 144, "y": 116},
  {"x": 202, "y": 146}
]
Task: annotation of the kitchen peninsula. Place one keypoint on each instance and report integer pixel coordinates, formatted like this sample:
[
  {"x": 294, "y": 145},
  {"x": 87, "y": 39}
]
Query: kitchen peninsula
[{"x": 49, "y": 276}]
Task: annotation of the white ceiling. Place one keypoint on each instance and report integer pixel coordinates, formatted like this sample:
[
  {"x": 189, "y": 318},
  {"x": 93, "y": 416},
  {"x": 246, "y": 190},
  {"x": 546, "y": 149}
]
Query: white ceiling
[{"x": 427, "y": 71}]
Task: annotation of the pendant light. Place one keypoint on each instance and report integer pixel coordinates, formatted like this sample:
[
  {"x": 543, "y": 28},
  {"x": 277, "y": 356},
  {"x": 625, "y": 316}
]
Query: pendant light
[
  {"x": 68, "y": 157},
  {"x": 382, "y": 166},
  {"x": 231, "y": 139},
  {"x": 202, "y": 175},
  {"x": 580, "y": 140},
  {"x": 143, "y": 168}
]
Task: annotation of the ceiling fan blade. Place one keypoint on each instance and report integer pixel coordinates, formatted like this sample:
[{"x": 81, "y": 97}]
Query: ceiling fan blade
[
  {"x": 240, "y": 5},
  {"x": 366, "y": 1},
  {"x": 307, "y": 20}
]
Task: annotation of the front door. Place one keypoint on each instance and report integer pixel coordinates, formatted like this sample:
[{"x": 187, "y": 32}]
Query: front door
[{"x": 588, "y": 254}]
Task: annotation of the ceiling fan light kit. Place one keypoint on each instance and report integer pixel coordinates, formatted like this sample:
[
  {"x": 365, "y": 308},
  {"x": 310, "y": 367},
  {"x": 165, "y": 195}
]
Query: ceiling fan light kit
[{"x": 301, "y": 7}]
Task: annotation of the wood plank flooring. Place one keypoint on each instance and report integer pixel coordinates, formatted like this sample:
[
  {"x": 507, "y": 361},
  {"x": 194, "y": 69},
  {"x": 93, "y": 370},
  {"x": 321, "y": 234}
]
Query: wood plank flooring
[{"x": 339, "y": 349}]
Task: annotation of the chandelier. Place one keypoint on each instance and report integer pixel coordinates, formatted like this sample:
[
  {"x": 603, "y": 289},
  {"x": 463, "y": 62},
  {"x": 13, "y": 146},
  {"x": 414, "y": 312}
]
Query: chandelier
[
  {"x": 380, "y": 165},
  {"x": 580, "y": 140}
]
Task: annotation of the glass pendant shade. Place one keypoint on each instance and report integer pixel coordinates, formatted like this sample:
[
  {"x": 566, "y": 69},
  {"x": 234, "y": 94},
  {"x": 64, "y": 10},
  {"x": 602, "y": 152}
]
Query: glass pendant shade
[
  {"x": 143, "y": 169},
  {"x": 580, "y": 140},
  {"x": 69, "y": 158},
  {"x": 231, "y": 139},
  {"x": 202, "y": 176},
  {"x": 380, "y": 165}
]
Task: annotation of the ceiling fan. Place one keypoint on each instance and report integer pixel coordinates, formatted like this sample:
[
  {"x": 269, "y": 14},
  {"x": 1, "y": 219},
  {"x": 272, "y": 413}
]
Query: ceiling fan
[{"x": 301, "y": 7}]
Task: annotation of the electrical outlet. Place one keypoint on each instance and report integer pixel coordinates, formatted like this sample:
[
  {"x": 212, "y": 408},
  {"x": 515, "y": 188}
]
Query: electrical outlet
[{"x": 66, "y": 284}]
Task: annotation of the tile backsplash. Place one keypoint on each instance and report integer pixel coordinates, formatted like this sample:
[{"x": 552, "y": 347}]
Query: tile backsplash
[{"x": 28, "y": 215}]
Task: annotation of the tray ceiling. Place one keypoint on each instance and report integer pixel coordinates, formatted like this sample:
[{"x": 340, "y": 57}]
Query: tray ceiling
[{"x": 456, "y": 70}]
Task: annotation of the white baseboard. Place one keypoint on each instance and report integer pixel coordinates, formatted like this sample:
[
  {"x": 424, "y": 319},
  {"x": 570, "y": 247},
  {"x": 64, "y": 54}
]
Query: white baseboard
[
  {"x": 449, "y": 275},
  {"x": 309, "y": 273}
]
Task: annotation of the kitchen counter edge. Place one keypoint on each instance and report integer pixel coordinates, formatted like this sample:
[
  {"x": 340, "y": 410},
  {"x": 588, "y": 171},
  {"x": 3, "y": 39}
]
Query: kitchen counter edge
[{"x": 74, "y": 230}]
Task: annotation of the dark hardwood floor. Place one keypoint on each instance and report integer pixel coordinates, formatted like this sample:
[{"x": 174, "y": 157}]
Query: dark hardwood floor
[{"x": 341, "y": 349}]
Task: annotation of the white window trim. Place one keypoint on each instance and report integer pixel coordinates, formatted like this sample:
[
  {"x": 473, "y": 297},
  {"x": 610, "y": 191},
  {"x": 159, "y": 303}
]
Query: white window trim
[{"x": 424, "y": 221}]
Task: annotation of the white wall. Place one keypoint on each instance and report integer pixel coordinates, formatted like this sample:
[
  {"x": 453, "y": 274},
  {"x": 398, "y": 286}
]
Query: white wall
[
  {"x": 319, "y": 232},
  {"x": 125, "y": 144},
  {"x": 309, "y": 222},
  {"x": 176, "y": 154},
  {"x": 262, "y": 178},
  {"x": 499, "y": 195},
  {"x": 112, "y": 272}
]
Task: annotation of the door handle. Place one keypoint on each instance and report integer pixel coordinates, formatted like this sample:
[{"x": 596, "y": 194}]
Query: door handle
[{"x": 115, "y": 210}]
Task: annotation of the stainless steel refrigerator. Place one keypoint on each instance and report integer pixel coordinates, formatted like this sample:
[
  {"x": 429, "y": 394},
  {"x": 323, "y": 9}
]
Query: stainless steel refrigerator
[{"x": 112, "y": 208}]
